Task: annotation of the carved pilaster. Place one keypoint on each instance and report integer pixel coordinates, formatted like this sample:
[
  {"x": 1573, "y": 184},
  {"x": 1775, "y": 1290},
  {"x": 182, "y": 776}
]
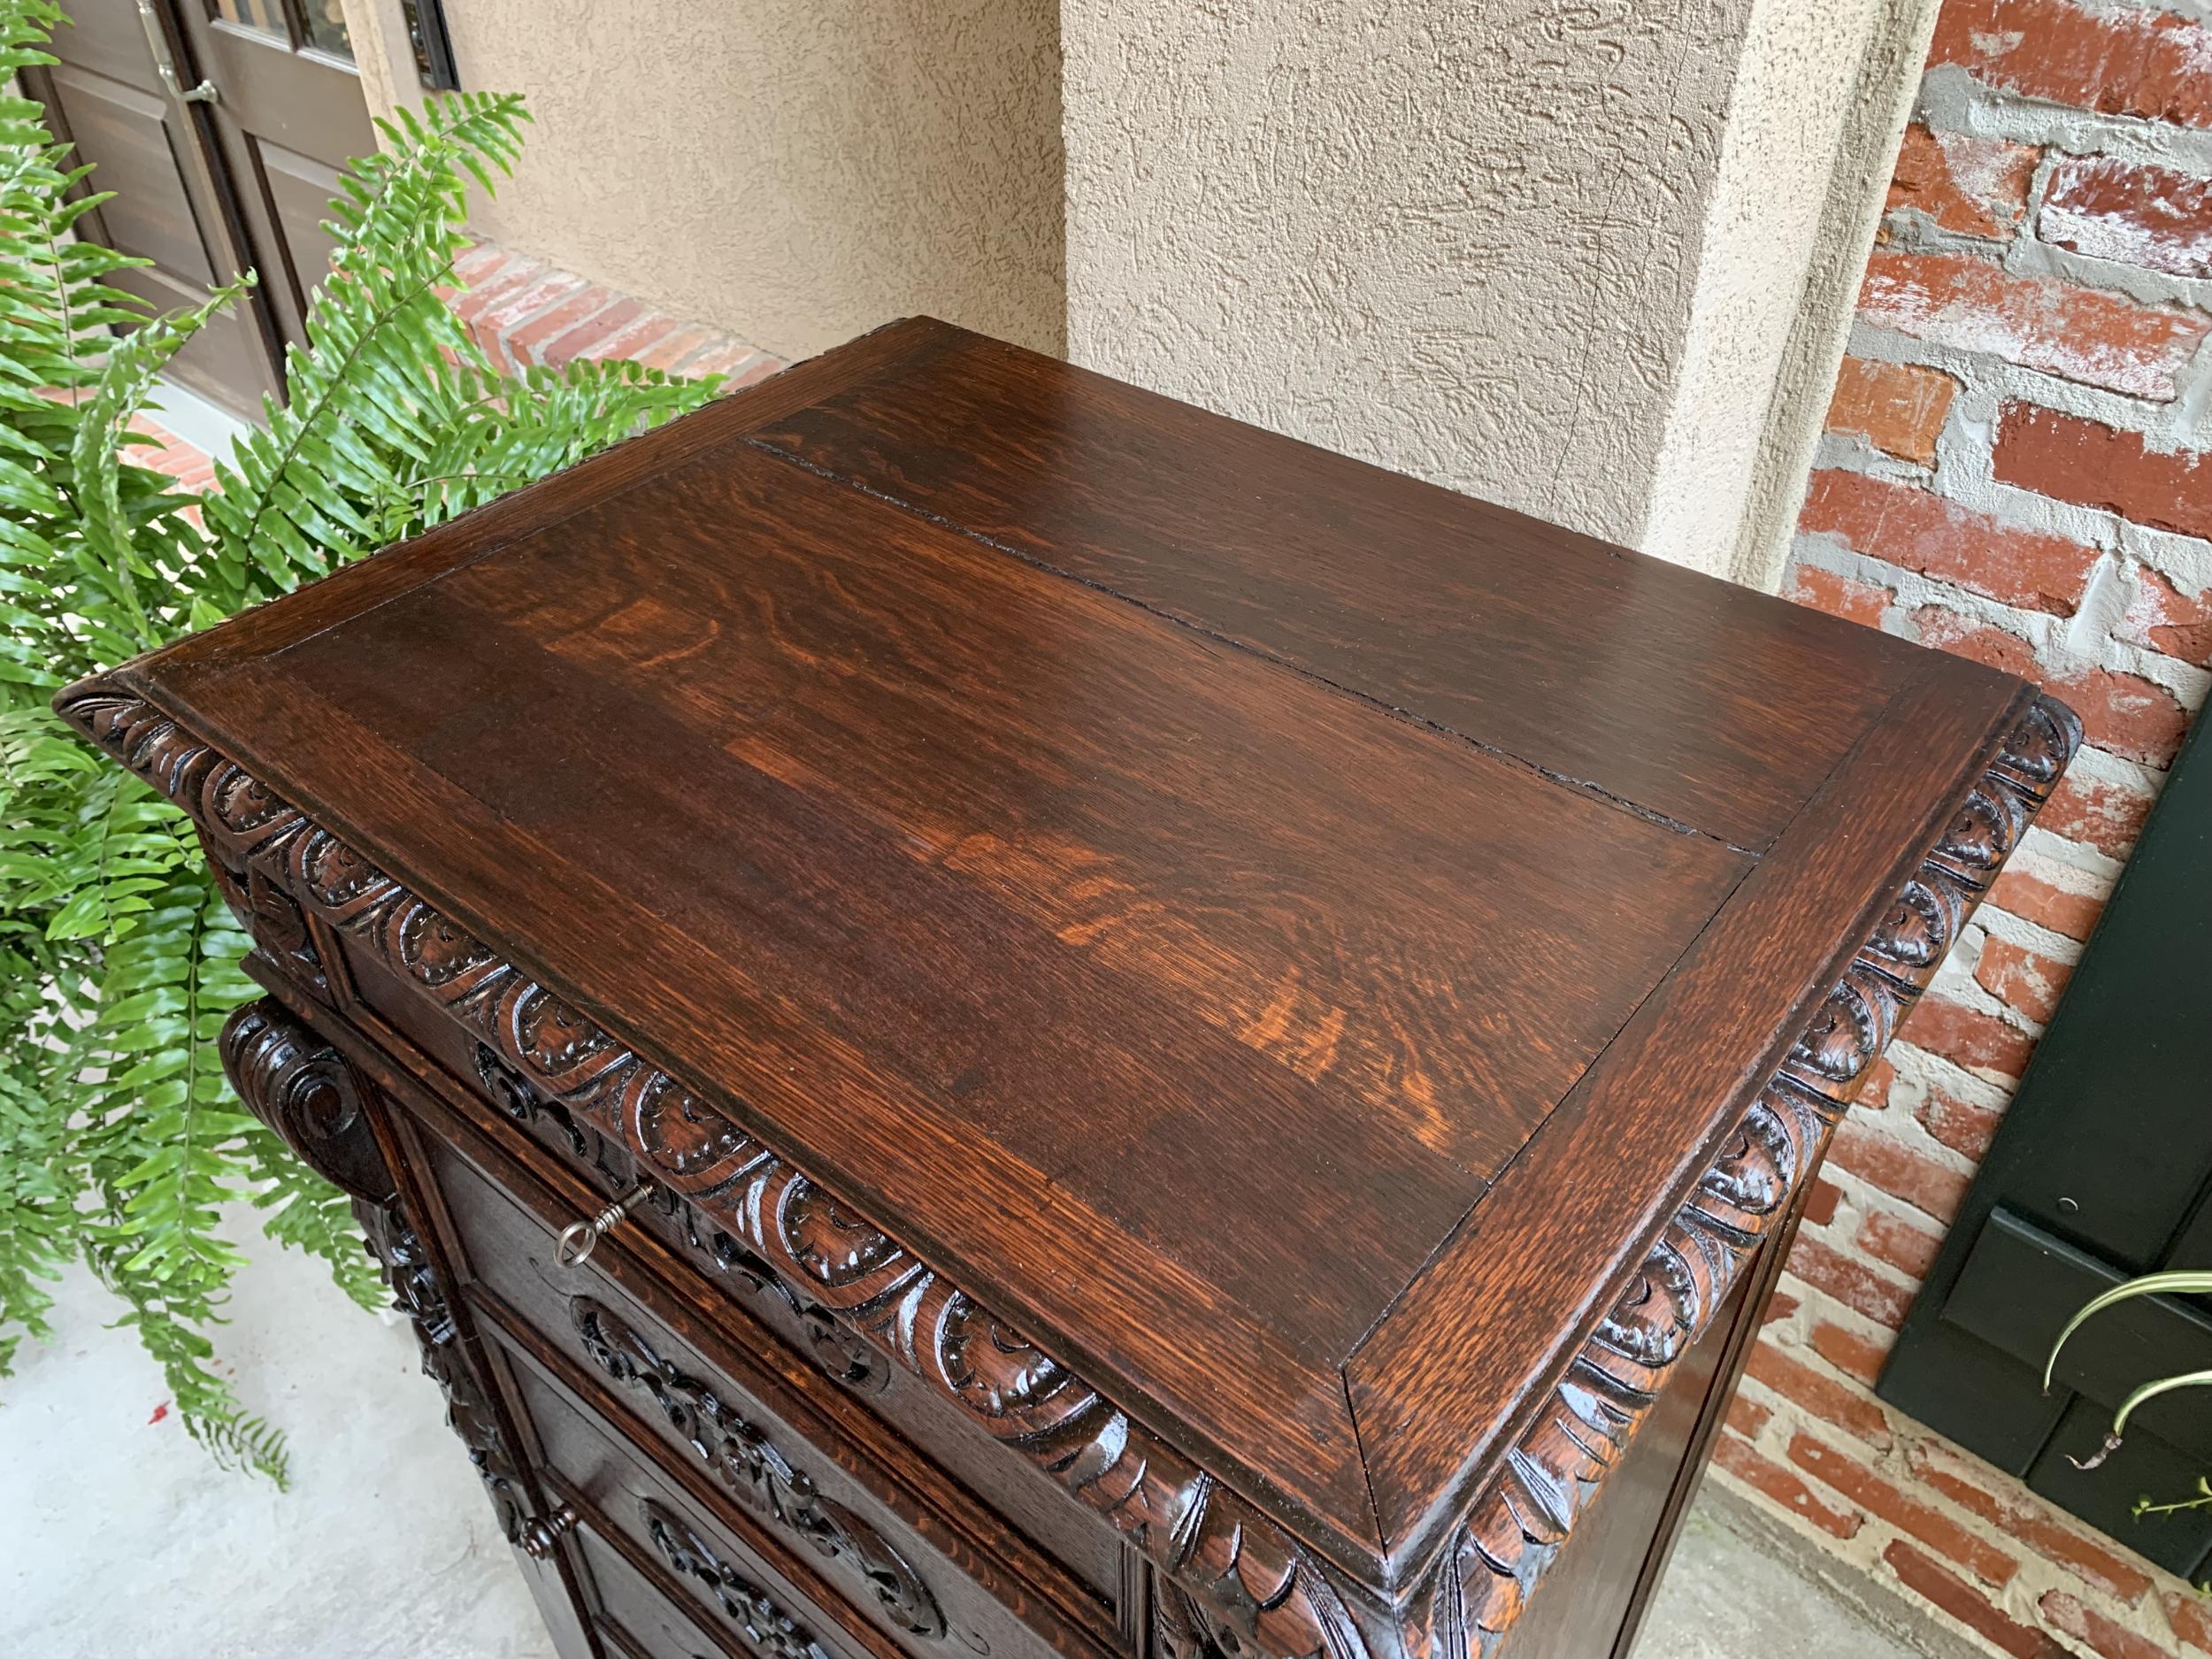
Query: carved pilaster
[{"x": 302, "y": 1088}]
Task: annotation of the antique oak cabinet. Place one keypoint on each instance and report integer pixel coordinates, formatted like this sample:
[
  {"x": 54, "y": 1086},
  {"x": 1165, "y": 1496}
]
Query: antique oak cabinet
[{"x": 980, "y": 1014}]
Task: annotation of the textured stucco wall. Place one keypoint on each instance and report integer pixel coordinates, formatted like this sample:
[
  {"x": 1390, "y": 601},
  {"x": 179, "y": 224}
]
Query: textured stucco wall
[
  {"x": 1547, "y": 251},
  {"x": 793, "y": 171},
  {"x": 1769, "y": 232}
]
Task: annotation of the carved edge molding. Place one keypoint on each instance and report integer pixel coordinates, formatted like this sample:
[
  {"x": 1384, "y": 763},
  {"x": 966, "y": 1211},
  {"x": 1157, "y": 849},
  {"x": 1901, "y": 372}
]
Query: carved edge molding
[
  {"x": 302, "y": 1088},
  {"x": 1256, "y": 1590},
  {"x": 1264, "y": 1592},
  {"x": 1492, "y": 1561}
]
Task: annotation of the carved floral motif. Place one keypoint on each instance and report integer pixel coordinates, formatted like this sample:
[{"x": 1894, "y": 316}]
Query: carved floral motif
[
  {"x": 755, "y": 1469},
  {"x": 766, "y": 1627},
  {"x": 1251, "y": 1589}
]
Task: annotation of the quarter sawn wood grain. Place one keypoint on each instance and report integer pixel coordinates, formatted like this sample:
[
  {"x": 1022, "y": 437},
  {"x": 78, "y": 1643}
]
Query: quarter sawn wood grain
[{"x": 1286, "y": 999}]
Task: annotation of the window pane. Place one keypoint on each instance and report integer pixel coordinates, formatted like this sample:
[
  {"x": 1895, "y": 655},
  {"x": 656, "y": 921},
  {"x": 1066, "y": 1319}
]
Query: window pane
[
  {"x": 327, "y": 28},
  {"x": 263, "y": 17}
]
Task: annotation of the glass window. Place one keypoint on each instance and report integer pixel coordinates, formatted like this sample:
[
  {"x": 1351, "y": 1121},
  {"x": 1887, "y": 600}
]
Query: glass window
[
  {"x": 327, "y": 28},
  {"x": 263, "y": 17}
]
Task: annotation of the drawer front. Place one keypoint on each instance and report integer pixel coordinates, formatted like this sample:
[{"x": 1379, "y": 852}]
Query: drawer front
[
  {"x": 569, "y": 1169},
  {"x": 635, "y": 1620},
  {"x": 936, "y": 1569},
  {"x": 714, "y": 1581}
]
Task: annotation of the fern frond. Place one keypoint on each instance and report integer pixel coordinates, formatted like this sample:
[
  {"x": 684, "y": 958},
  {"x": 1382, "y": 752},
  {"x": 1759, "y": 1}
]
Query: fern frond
[
  {"x": 387, "y": 360},
  {"x": 120, "y": 1144}
]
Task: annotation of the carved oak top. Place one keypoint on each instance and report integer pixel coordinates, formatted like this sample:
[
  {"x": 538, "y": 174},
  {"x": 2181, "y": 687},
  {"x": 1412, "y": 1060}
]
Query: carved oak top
[{"x": 1345, "y": 975}]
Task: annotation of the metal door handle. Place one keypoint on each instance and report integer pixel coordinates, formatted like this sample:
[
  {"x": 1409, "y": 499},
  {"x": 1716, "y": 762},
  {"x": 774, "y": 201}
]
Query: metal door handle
[{"x": 164, "y": 65}]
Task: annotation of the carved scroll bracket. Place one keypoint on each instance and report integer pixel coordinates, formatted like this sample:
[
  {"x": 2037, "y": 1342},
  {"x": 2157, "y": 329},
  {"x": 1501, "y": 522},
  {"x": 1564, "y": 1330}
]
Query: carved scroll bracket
[{"x": 302, "y": 1088}]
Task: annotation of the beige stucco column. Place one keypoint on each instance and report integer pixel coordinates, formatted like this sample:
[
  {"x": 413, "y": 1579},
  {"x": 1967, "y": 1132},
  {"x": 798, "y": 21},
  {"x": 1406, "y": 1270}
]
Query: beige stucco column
[{"x": 1591, "y": 258}]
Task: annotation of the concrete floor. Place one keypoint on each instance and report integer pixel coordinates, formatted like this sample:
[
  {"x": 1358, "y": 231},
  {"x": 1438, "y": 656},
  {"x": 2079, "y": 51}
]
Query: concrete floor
[{"x": 122, "y": 1540}]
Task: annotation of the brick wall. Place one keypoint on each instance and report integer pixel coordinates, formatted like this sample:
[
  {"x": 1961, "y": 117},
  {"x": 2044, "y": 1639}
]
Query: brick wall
[
  {"x": 524, "y": 312},
  {"x": 2015, "y": 469}
]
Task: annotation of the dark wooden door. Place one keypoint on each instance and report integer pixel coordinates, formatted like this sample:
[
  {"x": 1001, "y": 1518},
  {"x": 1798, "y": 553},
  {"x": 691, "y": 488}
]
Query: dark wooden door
[
  {"x": 106, "y": 98},
  {"x": 288, "y": 113},
  {"x": 235, "y": 178},
  {"x": 2102, "y": 1170}
]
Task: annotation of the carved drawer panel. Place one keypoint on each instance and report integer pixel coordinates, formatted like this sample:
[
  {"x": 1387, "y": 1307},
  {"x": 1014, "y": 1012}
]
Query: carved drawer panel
[
  {"x": 933, "y": 1568},
  {"x": 750, "y": 1601},
  {"x": 635, "y": 1620},
  {"x": 697, "y": 1278}
]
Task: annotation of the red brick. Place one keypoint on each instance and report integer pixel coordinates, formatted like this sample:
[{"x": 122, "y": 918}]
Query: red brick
[
  {"x": 477, "y": 261},
  {"x": 2121, "y": 62},
  {"x": 2076, "y": 333},
  {"x": 2124, "y": 714},
  {"x": 1906, "y": 1246},
  {"x": 1977, "y": 187},
  {"x": 2032, "y": 899},
  {"x": 673, "y": 348},
  {"x": 2022, "y": 979},
  {"x": 1850, "y": 1352},
  {"x": 1947, "y": 631},
  {"x": 1874, "y": 1093},
  {"x": 1850, "y": 1281},
  {"x": 527, "y": 343},
  {"x": 2168, "y": 620},
  {"x": 752, "y": 371},
  {"x": 2021, "y": 1516},
  {"x": 2134, "y": 215},
  {"x": 1921, "y": 531},
  {"x": 1820, "y": 1203},
  {"x": 2063, "y": 455},
  {"x": 2109, "y": 1637},
  {"x": 504, "y": 283},
  {"x": 1960, "y": 1125},
  {"x": 2191, "y": 1616},
  {"x": 1819, "y": 1393},
  {"x": 509, "y": 313},
  {"x": 1897, "y": 407},
  {"x": 566, "y": 347},
  {"x": 641, "y": 334},
  {"x": 733, "y": 358},
  {"x": 2107, "y": 815},
  {"x": 1748, "y": 1417},
  {"x": 1968, "y": 1037},
  {"x": 1781, "y": 1305},
  {"x": 1900, "y": 1170},
  {"x": 1840, "y": 1473},
  {"x": 1764, "y": 1475},
  {"x": 1838, "y": 596},
  {"x": 1921, "y": 1572}
]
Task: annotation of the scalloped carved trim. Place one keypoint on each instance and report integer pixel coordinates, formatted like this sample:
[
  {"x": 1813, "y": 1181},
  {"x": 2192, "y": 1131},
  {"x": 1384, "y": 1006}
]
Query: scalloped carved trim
[
  {"x": 1494, "y": 1560},
  {"x": 1261, "y": 1592},
  {"x": 1253, "y": 1589}
]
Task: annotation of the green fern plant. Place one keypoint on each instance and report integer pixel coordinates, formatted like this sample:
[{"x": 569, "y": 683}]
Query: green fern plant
[{"x": 119, "y": 1141}]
